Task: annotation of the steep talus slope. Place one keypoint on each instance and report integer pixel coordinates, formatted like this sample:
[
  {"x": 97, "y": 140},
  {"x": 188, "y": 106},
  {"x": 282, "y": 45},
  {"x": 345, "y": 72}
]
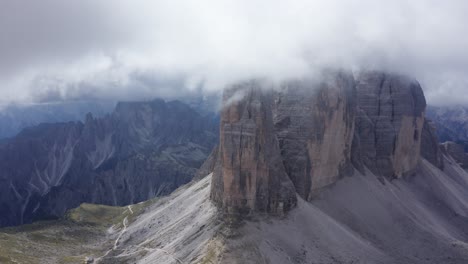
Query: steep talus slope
[
  {"x": 420, "y": 218},
  {"x": 141, "y": 150},
  {"x": 176, "y": 229},
  {"x": 415, "y": 219},
  {"x": 412, "y": 220}
]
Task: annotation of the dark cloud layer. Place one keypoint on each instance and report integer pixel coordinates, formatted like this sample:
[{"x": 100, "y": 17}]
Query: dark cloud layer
[{"x": 122, "y": 49}]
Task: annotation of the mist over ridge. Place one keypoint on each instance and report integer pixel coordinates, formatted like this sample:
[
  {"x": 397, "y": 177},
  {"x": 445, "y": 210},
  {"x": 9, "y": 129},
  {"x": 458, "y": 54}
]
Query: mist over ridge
[{"x": 132, "y": 50}]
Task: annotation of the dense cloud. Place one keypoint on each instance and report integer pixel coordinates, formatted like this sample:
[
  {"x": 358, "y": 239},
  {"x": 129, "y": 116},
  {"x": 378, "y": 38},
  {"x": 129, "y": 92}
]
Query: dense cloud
[{"x": 122, "y": 49}]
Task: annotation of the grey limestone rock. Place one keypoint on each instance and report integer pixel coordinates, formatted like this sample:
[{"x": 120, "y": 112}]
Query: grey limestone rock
[
  {"x": 314, "y": 123},
  {"x": 389, "y": 123}
]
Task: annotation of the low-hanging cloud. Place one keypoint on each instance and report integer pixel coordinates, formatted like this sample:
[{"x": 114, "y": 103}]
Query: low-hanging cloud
[{"x": 122, "y": 49}]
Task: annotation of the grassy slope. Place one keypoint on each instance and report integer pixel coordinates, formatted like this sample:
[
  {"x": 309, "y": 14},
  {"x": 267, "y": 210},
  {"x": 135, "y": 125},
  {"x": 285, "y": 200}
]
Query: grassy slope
[{"x": 81, "y": 233}]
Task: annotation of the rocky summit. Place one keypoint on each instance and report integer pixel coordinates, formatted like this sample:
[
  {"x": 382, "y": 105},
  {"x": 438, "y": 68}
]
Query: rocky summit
[
  {"x": 311, "y": 133},
  {"x": 250, "y": 175},
  {"x": 139, "y": 151}
]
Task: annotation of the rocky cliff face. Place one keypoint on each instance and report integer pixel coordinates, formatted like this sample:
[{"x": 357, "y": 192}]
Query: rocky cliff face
[
  {"x": 250, "y": 175},
  {"x": 389, "y": 123},
  {"x": 315, "y": 132},
  {"x": 139, "y": 151},
  {"x": 314, "y": 124}
]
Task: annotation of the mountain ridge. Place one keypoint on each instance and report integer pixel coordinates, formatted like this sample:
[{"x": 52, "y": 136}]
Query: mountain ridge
[{"x": 139, "y": 151}]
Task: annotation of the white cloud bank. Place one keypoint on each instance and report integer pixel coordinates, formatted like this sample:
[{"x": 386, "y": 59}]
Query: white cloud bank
[{"x": 133, "y": 49}]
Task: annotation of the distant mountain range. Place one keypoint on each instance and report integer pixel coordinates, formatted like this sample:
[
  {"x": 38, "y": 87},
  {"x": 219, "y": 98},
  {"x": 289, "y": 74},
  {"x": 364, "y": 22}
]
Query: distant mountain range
[
  {"x": 451, "y": 123},
  {"x": 15, "y": 118},
  {"x": 139, "y": 151}
]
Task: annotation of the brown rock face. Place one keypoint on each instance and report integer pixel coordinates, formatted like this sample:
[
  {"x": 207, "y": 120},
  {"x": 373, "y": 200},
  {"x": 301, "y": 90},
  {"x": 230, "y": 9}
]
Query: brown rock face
[
  {"x": 314, "y": 124},
  {"x": 305, "y": 135},
  {"x": 389, "y": 123},
  {"x": 250, "y": 175}
]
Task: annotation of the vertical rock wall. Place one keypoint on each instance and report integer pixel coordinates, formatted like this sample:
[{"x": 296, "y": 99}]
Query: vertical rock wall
[
  {"x": 250, "y": 175},
  {"x": 314, "y": 124},
  {"x": 305, "y": 135},
  {"x": 389, "y": 123}
]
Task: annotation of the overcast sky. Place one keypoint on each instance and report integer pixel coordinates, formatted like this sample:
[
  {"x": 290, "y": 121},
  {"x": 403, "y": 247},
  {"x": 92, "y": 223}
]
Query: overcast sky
[{"x": 135, "y": 49}]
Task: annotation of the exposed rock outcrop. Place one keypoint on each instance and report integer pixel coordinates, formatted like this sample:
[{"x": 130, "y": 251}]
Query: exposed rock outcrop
[
  {"x": 250, "y": 176},
  {"x": 314, "y": 123},
  {"x": 141, "y": 150},
  {"x": 322, "y": 129},
  {"x": 389, "y": 123}
]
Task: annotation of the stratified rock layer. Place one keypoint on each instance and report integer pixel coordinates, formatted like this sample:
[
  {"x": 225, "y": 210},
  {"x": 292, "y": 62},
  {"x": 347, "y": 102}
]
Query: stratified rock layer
[
  {"x": 314, "y": 123},
  {"x": 315, "y": 132},
  {"x": 389, "y": 123},
  {"x": 250, "y": 176}
]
